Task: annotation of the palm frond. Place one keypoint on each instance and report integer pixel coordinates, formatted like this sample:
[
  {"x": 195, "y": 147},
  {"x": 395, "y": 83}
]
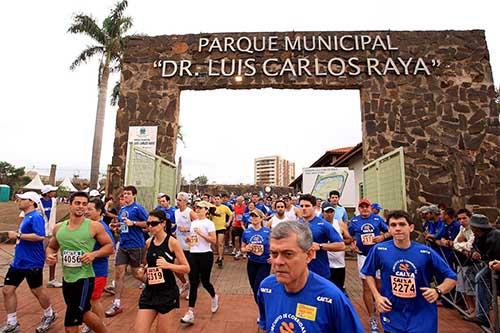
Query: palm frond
[
  {"x": 115, "y": 94},
  {"x": 117, "y": 12},
  {"x": 86, "y": 54},
  {"x": 87, "y": 25}
]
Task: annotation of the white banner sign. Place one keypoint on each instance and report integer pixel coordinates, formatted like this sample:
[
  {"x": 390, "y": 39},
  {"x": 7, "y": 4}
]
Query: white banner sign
[{"x": 320, "y": 181}]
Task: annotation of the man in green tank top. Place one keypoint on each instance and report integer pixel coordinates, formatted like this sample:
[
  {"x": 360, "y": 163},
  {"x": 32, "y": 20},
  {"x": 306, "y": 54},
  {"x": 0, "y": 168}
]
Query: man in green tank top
[{"x": 76, "y": 238}]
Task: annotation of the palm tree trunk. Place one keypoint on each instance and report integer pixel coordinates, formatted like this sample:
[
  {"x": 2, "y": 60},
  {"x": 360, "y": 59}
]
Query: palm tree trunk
[{"x": 99, "y": 127}]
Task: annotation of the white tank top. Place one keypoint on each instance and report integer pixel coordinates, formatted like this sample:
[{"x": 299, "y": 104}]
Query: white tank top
[
  {"x": 275, "y": 220},
  {"x": 183, "y": 219},
  {"x": 336, "y": 259},
  {"x": 290, "y": 215}
]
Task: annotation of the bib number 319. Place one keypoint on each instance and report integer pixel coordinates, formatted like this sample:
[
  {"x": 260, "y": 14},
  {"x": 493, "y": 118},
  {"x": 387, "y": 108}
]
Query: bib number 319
[{"x": 155, "y": 275}]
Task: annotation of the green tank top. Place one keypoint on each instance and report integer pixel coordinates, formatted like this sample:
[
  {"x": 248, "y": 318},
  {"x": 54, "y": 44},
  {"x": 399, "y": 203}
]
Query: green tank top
[{"x": 73, "y": 244}]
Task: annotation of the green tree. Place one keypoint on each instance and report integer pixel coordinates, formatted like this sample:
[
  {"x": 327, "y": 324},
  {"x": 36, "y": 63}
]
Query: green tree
[
  {"x": 200, "y": 180},
  {"x": 12, "y": 176},
  {"x": 108, "y": 45}
]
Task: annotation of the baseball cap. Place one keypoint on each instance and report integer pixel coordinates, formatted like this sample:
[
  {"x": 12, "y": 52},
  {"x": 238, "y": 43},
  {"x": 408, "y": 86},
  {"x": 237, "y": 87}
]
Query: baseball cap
[
  {"x": 327, "y": 206},
  {"x": 376, "y": 206},
  {"x": 258, "y": 212},
  {"x": 48, "y": 188},
  {"x": 434, "y": 209},
  {"x": 423, "y": 210},
  {"x": 94, "y": 193},
  {"x": 204, "y": 204},
  {"x": 364, "y": 202},
  {"x": 30, "y": 195},
  {"x": 160, "y": 195}
]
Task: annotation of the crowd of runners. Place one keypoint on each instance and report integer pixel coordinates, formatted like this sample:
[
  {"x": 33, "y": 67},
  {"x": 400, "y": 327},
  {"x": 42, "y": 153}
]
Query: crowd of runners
[{"x": 294, "y": 247}]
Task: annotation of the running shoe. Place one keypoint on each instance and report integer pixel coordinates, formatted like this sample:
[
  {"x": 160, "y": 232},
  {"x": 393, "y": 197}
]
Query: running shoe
[
  {"x": 54, "y": 284},
  {"x": 237, "y": 256},
  {"x": 233, "y": 252},
  {"x": 373, "y": 325},
  {"x": 184, "y": 288},
  {"x": 187, "y": 296},
  {"x": 47, "y": 321},
  {"x": 215, "y": 304},
  {"x": 220, "y": 263},
  {"x": 188, "y": 318},
  {"x": 113, "y": 311},
  {"x": 244, "y": 256},
  {"x": 9, "y": 328},
  {"x": 85, "y": 329}
]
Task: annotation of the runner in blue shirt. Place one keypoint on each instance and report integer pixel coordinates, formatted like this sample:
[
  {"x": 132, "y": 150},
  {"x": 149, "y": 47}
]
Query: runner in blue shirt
[
  {"x": 406, "y": 301},
  {"x": 295, "y": 299},
  {"x": 367, "y": 229},
  {"x": 132, "y": 219},
  {"x": 325, "y": 237},
  {"x": 340, "y": 212},
  {"x": 28, "y": 263},
  {"x": 255, "y": 242},
  {"x": 168, "y": 210}
]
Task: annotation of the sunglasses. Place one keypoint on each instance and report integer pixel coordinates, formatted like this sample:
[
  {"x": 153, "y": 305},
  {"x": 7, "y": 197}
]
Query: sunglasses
[{"x": 153, "y": 223}]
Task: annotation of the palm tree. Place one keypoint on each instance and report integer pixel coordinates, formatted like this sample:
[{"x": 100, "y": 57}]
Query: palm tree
[{"x": 108, "y": 45}]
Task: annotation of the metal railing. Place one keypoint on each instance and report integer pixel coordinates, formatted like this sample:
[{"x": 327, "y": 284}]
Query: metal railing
[{"x": 475, "y": 274}]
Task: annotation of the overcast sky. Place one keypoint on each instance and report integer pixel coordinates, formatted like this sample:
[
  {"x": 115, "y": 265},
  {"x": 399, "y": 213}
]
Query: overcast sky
[{"x": 47, "y": 112}]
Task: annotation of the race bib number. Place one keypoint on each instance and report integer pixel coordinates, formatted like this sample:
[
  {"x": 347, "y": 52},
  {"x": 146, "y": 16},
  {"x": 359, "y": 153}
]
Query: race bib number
[
  {"x": 258, "y": 249},
  {"x": 367, "y": 239},
  {"x": 72, "y": 258},
  {"x": 155, "y": 275},
  {"x": 194, "y": 240},
  {"x": 124, "y": 228},
  {"x": 305, "y": 312},
  {"x": 403, "y": 287},
  {"x": 238, "y": 217}
]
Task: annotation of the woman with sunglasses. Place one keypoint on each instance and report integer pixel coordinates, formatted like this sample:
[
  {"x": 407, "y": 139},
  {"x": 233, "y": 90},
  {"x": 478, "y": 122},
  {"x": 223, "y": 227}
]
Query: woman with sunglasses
[
  {"x": 255, "y": 241},
  {"x": 201, "y": 257},
  {"x": 164, "y": 258}
]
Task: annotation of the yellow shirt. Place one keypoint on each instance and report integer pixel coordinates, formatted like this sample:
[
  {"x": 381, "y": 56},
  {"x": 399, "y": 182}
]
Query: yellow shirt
[{"x": 220, "y": 221}]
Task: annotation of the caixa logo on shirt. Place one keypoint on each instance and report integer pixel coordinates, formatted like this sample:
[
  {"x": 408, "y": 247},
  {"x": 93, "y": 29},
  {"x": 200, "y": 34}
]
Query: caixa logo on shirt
[
  {"x": 367, "y": 227},
  {"x": 266, "y": 290},
  {"x": 324, "y": 299},
  {"x": 287, "y": 323}
]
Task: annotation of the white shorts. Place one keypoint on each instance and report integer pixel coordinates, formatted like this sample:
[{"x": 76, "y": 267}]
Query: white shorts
[{"x": 361, "y": 262}]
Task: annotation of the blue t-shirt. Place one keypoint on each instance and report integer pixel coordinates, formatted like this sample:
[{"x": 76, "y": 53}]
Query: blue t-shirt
[
  {"x": 364, "y": 229},
  {"x": 319, "y": 307},
  {"x": 323, "y": 232},
  {"x": 100, "y": 264},
  {"x": 403, "y": 273},
  {"x": 47, "y": 206},
  {"x": 259, "y": 239},
  {"x": 433, "y": 227},
  {"x": 448, "y": 232},
  {"x": 246, "y": 219},
  {"x": 340, "y": 214},
  {"x": 132, "y": 237},
  {"x": 170, "y": 214},
  {"x": 28, "y": 254},
  {"x": 260, "y": 207}
]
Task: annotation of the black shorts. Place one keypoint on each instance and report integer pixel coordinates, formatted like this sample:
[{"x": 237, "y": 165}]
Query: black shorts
[
  {"x": 161, "y": 302},
  {"x": 132, "y": 257},
  {"x": 237, "y": 232},
  {"x": 220, "y": 231},
  {"x": 77, "y": 298},
  {"x": 33, "y": 276}
]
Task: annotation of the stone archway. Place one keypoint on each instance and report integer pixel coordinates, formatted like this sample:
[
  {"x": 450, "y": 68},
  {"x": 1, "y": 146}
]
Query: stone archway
[{"x": 430, "y": 92}]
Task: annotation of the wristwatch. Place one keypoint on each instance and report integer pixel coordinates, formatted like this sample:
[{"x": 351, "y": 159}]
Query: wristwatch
[
  {"x": 438, "y": 291},
  {"x": 321, "y": 246},
  {"x": 18, "y": 236}
]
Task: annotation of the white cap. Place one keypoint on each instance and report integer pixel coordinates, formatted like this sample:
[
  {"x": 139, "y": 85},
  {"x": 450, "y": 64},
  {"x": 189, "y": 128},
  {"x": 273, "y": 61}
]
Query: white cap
[
  {"x": 48, "y": 188},
  {"x": 160, "y": 195},
  {"x": 94, "y": 193},
  {"x": 30, "y": 195}
]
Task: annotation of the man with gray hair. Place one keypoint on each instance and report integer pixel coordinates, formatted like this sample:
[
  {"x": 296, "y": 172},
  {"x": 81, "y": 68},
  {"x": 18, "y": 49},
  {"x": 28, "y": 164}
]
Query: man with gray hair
[{"x": 296, "y": 299}]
